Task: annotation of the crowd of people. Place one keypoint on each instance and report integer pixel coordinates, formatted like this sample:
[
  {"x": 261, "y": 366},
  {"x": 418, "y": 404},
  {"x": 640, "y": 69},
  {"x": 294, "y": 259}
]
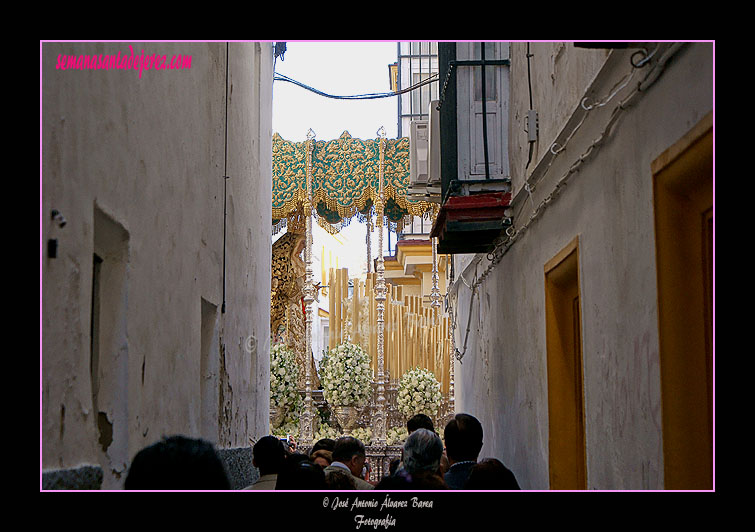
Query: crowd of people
[{"x": 180, "y": 463}]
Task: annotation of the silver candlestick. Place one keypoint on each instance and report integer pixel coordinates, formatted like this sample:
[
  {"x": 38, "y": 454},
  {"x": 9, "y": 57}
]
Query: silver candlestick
[
  {"x": 306, "y": 427},
  {"x": 379, "y": 421}
]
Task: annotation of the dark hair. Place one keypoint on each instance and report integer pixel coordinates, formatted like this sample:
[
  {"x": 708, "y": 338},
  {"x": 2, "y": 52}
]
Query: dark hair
[
  {"x": 322, "y": 453},
  {"x": 420, "y": 421},
  {"x": 326, "y": 443},
  {"x": 301, "y": 474},
  {"x": 177, "y": 463},
  {"x": 340, "y": 479},
  {"x": 491, "y": 474},
  {"x": 269, "y": 455},
  {"x": 463, "y": 438},
  {"x": 346, "y": 447}
]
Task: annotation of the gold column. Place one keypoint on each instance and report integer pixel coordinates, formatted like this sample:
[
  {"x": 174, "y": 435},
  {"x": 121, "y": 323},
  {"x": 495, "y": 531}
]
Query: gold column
[
  {"x": 426, "y": 343},
  {"x": 387, "y": 334},
  {"x": 402, "y": 340},
  {"x": 445, "y": 353},
  {"x": 411, "y": 340},
  {"x": 393, "y": 368},
  {"x": 323, "y": 280},
  {"x": 435, "y": 290},
  {"x": 331, "y": 308},
  {"x": 369, "y": 244},
  {"x": 338, "y": 308},
  {"x": 433, "y": 347},
  {"x": 370, "y": 340},
  {"x": 355, "y": 304},
  {"x": 344, "y": 304}
]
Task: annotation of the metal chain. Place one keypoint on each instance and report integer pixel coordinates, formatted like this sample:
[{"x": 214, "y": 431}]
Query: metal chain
[{"x": 445, "y": 85}]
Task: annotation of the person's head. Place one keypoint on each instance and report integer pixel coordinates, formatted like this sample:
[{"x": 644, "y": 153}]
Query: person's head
[
  {"x": 301, "y": 474},
  {"x": 177, "y": 463},
  {"x": 419, "y": 421},
  {"x": 339, "y": 479},
  {"x": 268, "y": 455},
  {"x": 422, "y": 451},
  {"x": 325, "y": 443},
  {"x": 322, "y": 457},
  {"x": 463, "y": 436},
  {"x": 351, "y": 452},
  {"x": 490, "y": 474}
]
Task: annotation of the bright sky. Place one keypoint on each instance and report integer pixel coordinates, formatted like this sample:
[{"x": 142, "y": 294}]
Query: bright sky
[{"x": 339, "y": 68}]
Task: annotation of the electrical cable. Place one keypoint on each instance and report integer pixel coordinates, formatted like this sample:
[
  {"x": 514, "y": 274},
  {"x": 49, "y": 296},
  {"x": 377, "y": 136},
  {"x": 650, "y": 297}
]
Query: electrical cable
[
  {"x": 225, "y": 175},
  {"x": 556, "y": 148},
  {"x": 370, "y": 96},
  {"x": 529, "y": 83}
]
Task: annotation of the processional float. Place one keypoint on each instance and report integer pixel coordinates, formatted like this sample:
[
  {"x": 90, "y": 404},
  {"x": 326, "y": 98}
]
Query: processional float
[{"x": 333, "y": 182}]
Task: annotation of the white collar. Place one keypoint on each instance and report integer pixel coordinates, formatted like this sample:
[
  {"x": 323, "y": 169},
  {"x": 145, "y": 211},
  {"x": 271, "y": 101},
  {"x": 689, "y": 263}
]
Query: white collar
[{"x": 341, "y": 465}]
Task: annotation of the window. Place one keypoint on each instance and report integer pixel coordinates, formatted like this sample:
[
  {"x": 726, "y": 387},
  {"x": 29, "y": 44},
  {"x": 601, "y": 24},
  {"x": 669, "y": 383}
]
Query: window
[
  {"x": 422, "y": 96},
  {"x": 491, "y": 86},
  {"x": 472, "y": 133},
  {"x": 423, "y": 48},
  {"x": 417, "y": 61},
  {"x": 418, "y": 225}
]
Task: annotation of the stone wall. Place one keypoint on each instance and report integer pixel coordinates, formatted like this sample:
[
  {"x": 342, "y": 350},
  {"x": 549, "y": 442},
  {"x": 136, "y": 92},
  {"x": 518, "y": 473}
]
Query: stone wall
[
  {"x": 608, "y": 205},
  {"x": 164, "y": 176}
]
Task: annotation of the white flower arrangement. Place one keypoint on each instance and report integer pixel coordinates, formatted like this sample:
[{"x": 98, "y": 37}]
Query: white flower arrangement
[
  {"x": 284, "y": 376},
  {"x": 346, "y": 376},
  {"x": 418, "y": 393},
  {"x": 326, "y": 431},
  {"x": 396, "y": 435},
  {"x": 363, "y": 434},
  {"x": 288, "y": 428}
]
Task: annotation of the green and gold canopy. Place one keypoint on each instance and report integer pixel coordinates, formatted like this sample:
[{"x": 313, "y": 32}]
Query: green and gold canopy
[{"x": 345, "y": 180}]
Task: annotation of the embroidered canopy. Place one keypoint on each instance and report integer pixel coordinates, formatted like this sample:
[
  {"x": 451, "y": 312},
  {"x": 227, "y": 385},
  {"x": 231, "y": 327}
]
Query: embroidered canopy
[{"x": 345, "y": 181}]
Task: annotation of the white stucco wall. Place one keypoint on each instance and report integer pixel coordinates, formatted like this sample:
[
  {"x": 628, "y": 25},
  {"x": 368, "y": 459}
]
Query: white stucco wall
[
  {"x": 608, "y": 204},
  {"x": 149, "y": 154}
]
